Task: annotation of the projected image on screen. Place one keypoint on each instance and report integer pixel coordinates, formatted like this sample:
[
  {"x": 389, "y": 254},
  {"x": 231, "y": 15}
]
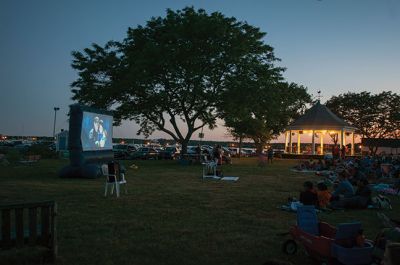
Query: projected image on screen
[{"x": 96, "y": 132}]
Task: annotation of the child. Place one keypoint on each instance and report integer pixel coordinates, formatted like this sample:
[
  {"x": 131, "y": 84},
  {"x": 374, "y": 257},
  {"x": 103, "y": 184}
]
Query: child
[
  {"x": 360, "y": 239},
  {"x": 324, "y": 196},
  {"x": 308, "y": 195}
]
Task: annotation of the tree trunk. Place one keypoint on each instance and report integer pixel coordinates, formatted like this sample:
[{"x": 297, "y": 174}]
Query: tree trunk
[
  {"x": 335, "y": 138},
  {"x": 259, "y": 148},
  {"x": 184, "y": 145}
]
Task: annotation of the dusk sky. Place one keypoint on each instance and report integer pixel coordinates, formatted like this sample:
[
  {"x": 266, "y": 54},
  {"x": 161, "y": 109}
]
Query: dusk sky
[{"x": 334, "y": 46}]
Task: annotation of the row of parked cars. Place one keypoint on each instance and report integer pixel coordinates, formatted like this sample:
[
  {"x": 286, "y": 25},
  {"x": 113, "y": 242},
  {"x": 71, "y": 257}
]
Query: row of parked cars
[
  {"x": 25, "y": 144},
  {"x": 128, "y": 151}
]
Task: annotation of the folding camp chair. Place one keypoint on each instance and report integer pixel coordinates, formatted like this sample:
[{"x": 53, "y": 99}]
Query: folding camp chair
[
  {"x": 210, "y": 170},
  {"x": 113, "y": 178}
]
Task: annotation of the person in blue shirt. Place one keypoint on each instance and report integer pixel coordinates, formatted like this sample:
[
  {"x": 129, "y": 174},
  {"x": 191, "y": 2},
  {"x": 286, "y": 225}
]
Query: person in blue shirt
[
  {"x": 344, "y": 187},
  {"x": 343, "y": 190}
]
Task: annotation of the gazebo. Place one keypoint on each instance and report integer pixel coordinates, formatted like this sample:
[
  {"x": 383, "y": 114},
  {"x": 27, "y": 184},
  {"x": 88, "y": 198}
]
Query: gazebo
[{"x": 318, "y": 120}]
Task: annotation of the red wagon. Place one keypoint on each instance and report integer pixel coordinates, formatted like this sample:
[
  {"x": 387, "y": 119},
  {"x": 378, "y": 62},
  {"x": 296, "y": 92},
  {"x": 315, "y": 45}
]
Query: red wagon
[{"x": 325, "y": 243}]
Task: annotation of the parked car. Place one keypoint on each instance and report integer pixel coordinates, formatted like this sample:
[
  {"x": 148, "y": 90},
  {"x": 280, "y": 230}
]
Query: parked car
[
  {"x": 123, "y": 151},
  {"x": 227, "y": 151},
  {"x": 278, "y": 152},
  {"x": 208, "y": 148},
  {"x": 7, "y": 143},
  {"x": 191, "y": 150},
  {"x": 169, "y": 153},
  {"x": 226, "y": 159},
  {"x": 248, "y": 152},
  {"x": 23, "y": 146},
  {"x": 145, "y": 153}
]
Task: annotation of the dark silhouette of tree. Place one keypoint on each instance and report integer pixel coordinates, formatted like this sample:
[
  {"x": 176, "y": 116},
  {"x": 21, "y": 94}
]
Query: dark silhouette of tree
[
  {"x": 374, "y": 115},
  {"x": 261, "y": 106},
  {"x": 170, "y": 74}
]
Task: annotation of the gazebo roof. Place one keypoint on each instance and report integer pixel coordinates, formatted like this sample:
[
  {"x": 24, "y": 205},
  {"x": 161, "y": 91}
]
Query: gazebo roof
[{"x": 319, "y": 117}]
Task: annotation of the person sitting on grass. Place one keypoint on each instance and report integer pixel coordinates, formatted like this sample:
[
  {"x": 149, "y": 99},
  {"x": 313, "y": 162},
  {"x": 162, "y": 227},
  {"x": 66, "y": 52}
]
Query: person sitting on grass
[
  {"x": 321, "y": 165},
  {"x": 343, "y": 190},
  {"x": 308, "y": 196},
  {"x": 323, "y": 194},
  {"x": 355, "y": 173},
  {"x": 364, "y": 191},
  {"x": 360, "y": 200}
]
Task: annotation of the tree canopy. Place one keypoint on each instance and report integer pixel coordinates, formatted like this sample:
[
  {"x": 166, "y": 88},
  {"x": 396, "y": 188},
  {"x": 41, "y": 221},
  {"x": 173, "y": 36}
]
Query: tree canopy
[
  {"x": 374, "y": 115},
  {"x": 261, "y": 108},
  {"x": 173, "y": 73}
]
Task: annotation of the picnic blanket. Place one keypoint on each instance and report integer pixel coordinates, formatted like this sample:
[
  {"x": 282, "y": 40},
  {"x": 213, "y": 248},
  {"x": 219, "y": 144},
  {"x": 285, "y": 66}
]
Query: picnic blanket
[
  {"x": 386, "y": 189},
  {"x": 227, "y": 178},
  {"x": 230, "y": 178}
]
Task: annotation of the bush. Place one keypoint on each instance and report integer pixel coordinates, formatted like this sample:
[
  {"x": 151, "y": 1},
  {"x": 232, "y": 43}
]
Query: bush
[
  {"x": 42, "y": 150},
  {"x": 13, "y": 155}
]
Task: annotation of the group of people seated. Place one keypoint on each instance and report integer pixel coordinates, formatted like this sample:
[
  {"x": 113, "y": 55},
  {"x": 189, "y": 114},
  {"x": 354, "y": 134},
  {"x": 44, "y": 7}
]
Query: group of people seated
[
  {"x": 347, "y": 182},
  {"x": 344, "y": 194},
  {"x": 313, "y": 165},
  {"x": 371, "y": 167}
]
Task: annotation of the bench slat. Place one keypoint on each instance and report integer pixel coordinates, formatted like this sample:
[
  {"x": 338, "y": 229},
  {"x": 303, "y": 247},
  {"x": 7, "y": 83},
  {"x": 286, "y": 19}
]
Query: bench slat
[
  {"x": 54, "y": 231},
  {"x": 45, "y": 220},
  {"x": 6, "y": 229},
  {"x": 32, "y": 226},
  {"x": 19, "y": 227},
  {"x": 26, "y": 205}
]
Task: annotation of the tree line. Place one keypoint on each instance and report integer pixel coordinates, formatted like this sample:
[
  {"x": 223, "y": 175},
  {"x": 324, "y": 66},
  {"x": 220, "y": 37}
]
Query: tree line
[{"x": 182, "y": 72}]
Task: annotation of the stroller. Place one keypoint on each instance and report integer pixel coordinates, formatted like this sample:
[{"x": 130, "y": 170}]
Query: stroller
[{"x": 325, "y": 243}]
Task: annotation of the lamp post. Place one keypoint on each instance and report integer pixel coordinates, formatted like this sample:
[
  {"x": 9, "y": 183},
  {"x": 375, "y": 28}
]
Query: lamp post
[{"x": 55, "y": 118}]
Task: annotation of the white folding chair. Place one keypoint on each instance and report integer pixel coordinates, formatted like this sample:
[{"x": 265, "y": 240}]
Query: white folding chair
[
  {"x": 114, "y": 178},
  {"x": 210, "y": 170}
]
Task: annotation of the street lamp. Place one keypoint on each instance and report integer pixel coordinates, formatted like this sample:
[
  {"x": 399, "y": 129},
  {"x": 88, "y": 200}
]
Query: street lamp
[{"x": 55, "y": 118}]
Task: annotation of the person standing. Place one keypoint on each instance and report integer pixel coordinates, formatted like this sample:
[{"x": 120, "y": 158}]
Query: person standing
[
  {"x": 198, "y": 152},
  {"x": 343, "y": 152},
  {"x": 270, "y": 154},
  {"x": 335, "y": 152}
]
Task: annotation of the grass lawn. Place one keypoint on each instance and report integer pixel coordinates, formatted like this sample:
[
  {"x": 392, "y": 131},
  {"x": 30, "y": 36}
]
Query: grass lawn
[{"x": 170, "y": 215}]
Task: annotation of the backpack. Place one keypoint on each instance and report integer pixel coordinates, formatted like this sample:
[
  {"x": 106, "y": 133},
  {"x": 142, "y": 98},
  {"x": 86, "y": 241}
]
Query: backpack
[{"x": 381, "y": 202}]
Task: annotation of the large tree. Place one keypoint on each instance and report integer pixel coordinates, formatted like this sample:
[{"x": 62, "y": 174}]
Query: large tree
[
  {"x": 169, "y": 75},
  {"x": 374, "y": 115},
  {"x": 262, "y": 105}
]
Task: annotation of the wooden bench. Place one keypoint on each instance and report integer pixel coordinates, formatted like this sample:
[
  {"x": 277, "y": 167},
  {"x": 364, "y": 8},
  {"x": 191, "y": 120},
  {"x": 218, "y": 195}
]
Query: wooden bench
[{"x": 20, "y": 227}]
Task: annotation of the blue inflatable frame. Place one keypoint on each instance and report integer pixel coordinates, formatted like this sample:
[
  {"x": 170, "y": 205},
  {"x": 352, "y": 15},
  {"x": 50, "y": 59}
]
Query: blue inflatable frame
[{"x": 83, "y": 164}]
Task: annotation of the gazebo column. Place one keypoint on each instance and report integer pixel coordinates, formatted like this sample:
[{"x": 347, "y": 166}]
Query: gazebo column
[
  {"x": 344, "y": 138},
  {"x": 352, "y": 143},
  {"x": 341, "y": 139},
  {"x": 286, "y": 141},
  {"x": 313, "y": 142},
  {"x": 298, "y": 142},
  {"x": 322, "y": 143},
  {"x": 290, "y": 142}
]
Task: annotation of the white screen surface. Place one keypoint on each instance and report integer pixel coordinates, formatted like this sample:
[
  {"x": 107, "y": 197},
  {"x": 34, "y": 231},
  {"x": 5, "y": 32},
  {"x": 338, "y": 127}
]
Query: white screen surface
[{"x": 96, "y": 132}]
